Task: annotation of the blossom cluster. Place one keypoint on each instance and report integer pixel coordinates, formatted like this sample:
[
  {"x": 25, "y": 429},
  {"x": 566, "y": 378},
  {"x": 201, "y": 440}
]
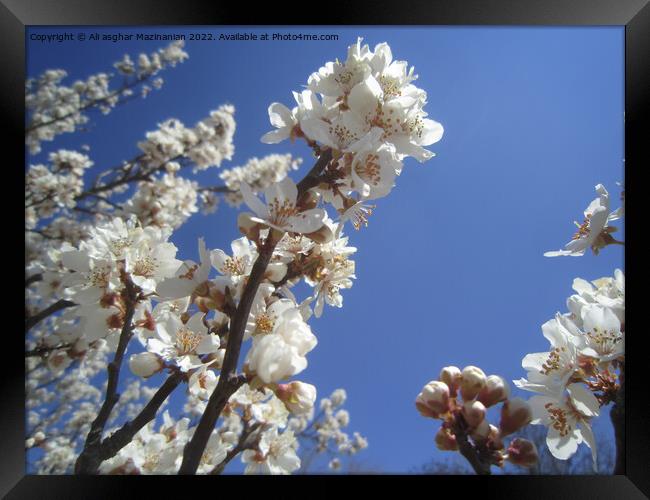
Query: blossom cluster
[
  {"x": 51, "y": 188},
  {"x": 461, "y": 400},
  {"x": 370, "y": 114},
  {"x": 577, "y": 376},
  {"x": 326, "y": 430},
  {"x": 164, "y": 202},
  {"x": 56, "y": 108},
  {"x": 207, "y": 144},
  {"x": 258, "y": 173}
]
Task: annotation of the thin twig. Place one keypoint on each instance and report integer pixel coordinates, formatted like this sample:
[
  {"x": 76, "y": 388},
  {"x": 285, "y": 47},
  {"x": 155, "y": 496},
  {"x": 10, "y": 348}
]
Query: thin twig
[
  {"x": 88, "y": 461},
  {"x": 41, "y": 315}
]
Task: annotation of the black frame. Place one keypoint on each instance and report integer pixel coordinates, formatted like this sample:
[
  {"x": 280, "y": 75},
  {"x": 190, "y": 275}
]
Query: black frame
[{"x": 15, "y": 15}]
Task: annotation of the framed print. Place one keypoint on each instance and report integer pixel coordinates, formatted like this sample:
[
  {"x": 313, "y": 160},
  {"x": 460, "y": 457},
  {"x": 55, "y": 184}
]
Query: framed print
[{"x": 335, "y": 248}]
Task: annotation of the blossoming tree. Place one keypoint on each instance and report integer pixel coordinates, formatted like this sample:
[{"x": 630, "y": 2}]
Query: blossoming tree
[
  {"x": 583, "y": 371},
  {"x": 105, "y": 290}
]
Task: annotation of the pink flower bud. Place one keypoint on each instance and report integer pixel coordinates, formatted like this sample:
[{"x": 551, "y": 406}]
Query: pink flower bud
[
  {"x": 450, "y": 375},
  {"x": 522, "y": 452},
  {"x": 474, "y": 413},
  {"x": 445, "y": 440},
  {"x": 515, "y": 414},
  {"x": 298, "y": 397},
  {"x": 433, "y": 400},
  {"x": 496, "y": 390},
  {"x": 472, "y": 381},
  {"x": 145, "y": 364}
]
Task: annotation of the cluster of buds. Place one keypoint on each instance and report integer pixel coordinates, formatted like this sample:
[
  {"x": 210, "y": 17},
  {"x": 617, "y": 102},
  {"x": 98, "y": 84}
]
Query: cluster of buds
[{"x": 461, "y": 400}]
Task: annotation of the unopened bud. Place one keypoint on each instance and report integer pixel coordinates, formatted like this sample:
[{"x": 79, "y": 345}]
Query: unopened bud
[
  {"x": 473, "y": 413},
  {"x": 145, "y": 364},
  {"x": 451, "y": 376},
  {"x": 522, "y": 452},
  {"x": 472, "y": 381},
  {"x": 298, "y": 397},
  {"x": 433, "y": 400},
  {"x": 308, "y": 200},
  {"x": 496, "y": 390},
  {"x": 445, "y": 440},
  {"x": 515, "y": 414},
  {"x": 481, "y": 432},
  {"x": 323, "y": 235},
  {"x": 247, "y": 227}
]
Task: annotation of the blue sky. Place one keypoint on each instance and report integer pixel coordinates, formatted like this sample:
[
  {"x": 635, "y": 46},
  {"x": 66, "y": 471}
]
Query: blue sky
[{"x": 450, "y": 269}]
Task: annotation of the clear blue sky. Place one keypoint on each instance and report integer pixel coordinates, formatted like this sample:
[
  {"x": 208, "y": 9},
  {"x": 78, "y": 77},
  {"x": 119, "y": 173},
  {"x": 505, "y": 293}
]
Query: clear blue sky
[{"x": 450, "y": 269}]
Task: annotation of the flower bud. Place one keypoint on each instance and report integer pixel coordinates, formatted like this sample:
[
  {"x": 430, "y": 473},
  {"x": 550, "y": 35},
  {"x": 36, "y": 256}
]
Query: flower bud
[
  {"x": 474, "y": 413},
  {"x": 522, "y": 452},
  {"x": 298, "y": 397},
  {"x": 481, "y": 432},
  {"x": 496, "y": 390},
  {"x": 338, "y": 397},
  {"x": 433, "y": 400},
  {"x": 145, "y": 364},
  {"x": 247, "y": 227},
  {"x": 445, "y": 440},
  {"x": 450, "y": 375},
  {"x": 472, "y": 381},
  {"x": 322, "y": 235},
  {"x": 515, "y": 414}
]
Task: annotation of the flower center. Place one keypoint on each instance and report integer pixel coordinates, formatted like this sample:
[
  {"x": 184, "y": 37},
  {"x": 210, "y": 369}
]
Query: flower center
[
  {"x": 390, "y": 86},
  {"x": 187, "y": 340},
  {"x": 583, "y": 229},
  {"x": 554, "y": 361},
  {"x": 370, "y": 169},
  {"x": 605, "y": 340},
  {"x": 264, "y": 323},
  {"x": 233, "y": 265},
  {"x": 118, "y": 245},
  {"x": 145, "y": 267},
  {"x": 558, "y": 419},
  {"x": 280, "y": 212}
]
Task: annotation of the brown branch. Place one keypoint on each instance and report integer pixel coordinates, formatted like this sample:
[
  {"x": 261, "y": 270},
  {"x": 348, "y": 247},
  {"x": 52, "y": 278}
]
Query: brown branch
[
  {"x": 33, "y": 279},
  {"x": 229, "y": 382},
  {"x": 89, "y": 104},
  {"x": 468, "y": 450},
  {"x": 39, "y": 351},
  {"x": 617, "y": 415},
  {"x": 32, "y": 321},
  {"x": 120, "y": 438},
  {"x": 88, "y": 461},
  {"x": 243, "y": 444}
]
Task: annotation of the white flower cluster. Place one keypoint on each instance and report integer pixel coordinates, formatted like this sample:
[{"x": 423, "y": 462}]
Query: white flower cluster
[
  {"x": 325, "y": 431},
  {"x": 49, "y": 189},
  {"x": 258, "y": 174},
  {"x": 56, "y": 108},
  {"x": 578, "y": 375},
  {"x": 370, "y": 114},
  {"x": 167, "y": 201},
  {"x": 206, "y": 145},
  {"x": 161, "y": 452},
  {"x": 117, "y": 256},
  {"x": 461, "y": 399}
]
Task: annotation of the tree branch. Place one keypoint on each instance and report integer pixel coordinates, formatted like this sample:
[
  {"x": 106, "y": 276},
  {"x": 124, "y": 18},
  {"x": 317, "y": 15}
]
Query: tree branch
[
  {"x": 88, "y": 460},
  {"x": 32, "y": 321},
  {"x": 617, "y": 415},
  {"x": 242, "y": 444},
  {"x": 120, "y": 438},
  {"x": 228, "y": 380}
]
